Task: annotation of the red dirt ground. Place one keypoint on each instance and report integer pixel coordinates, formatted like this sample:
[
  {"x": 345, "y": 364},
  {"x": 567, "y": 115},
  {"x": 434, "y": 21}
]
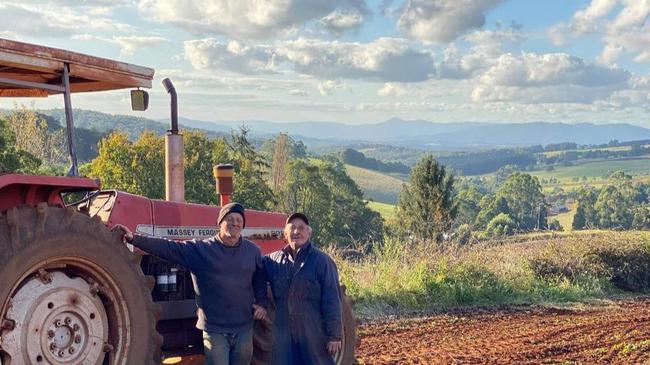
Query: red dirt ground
[
  {"x": 615, "y": 333},
  {"x": 612, "y": 332}
]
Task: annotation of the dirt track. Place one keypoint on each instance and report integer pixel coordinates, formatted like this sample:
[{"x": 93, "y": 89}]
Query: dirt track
[
  {"x": 616, "y": 332},
  {"x": 610, "y": 333}
]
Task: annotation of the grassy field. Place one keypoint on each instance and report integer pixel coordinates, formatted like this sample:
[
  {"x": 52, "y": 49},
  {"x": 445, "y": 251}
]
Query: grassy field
[
  {"x": 611, "y": 149},
  {"x": 565, "y": 219},
  {"x": 571, "y": 177},
  {"x": 399, "y": 277},
  {"x": 632, "y": 166},
  {"x": 387, "y": 211},
  {"x": 377, "y": 186}
]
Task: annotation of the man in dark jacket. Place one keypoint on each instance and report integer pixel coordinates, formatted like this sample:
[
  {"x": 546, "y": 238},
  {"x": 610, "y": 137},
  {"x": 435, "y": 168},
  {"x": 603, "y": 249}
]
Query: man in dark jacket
[
  {"x": 228, "y": 282},
  {"x": 305, "y": 286}
]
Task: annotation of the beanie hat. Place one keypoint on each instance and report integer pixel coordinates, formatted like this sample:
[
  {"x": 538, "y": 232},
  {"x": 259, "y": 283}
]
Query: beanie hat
[
  {"x": 231, "y": 208},
  {"x": 300, "y": 216}
]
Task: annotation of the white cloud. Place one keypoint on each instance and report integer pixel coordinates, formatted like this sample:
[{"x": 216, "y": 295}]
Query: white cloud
[
  {"x": 30, "y": 22},
  {"x": 384, "y": 59},
  {"x": 234, "y": 56},
  {"x": 244, "y": 19},
  {"x": 487, "y": 47},
  {"x": 131, "y": 44},
  {"x": 216, "y": 82},
  {"x": 46, "y": 20},
  {"x": 633, "y": 14},
  {"x": 622, "y": 25},
  {"x": 583, "y": 21},
  {"x": 298, "y": 92},
  {"x": 548, "y": 78},
  {"x": 338, "y": 21},
  {"x": 635, "y": 41},
  {"x": 328, "y": 87},
  {"x": 442, "y": 21},
  {"x": 128, "y": 45},
  {"x": 393, "y": 89}
]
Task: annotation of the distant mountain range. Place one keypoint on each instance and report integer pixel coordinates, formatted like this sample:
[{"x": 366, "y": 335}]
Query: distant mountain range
[
  {"x": 420, "y": 134},
  {"x": 439, "y": 136}
]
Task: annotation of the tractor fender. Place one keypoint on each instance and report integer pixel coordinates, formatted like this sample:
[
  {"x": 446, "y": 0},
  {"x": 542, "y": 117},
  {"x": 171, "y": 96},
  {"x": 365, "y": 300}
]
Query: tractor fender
[{"x": 18, "y": 189}]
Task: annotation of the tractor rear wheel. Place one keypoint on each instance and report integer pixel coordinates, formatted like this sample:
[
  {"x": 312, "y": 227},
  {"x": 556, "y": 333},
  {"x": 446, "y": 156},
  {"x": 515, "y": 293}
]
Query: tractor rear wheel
[
  {"x": 263, "y": 335},
  {"x": 71, "y": 293},
  {"x": 346, "y": 355}
]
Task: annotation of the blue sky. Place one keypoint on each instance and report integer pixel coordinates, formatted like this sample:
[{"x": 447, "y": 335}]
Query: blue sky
[{"x": 361, "y": 61}]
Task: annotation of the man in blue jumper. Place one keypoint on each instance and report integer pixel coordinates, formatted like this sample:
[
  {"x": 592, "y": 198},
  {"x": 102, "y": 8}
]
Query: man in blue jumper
[
  {"x": 228, "y": 282},
  {"x": 305, "y": 285}
]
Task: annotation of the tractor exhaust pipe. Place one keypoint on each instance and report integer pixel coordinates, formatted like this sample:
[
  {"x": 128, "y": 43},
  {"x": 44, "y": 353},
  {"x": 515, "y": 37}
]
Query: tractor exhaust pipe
[
  {"x": 174, "y": 169},
  {"x": 223, "y": 173}
]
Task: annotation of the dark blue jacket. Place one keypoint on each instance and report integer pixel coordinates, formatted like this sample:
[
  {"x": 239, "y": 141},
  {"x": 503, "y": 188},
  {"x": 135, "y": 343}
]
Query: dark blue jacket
[
  {"x": 308, "y": 305},
  {"x": 227, "y": 279}
]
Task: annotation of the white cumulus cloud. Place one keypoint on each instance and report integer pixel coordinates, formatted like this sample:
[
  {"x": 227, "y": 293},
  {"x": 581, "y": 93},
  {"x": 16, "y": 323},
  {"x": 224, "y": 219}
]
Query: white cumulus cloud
[
  {"x": 338, "y": 22},
  {"x": 328, "y": 87},
  {"x": 549, "y": 78},
  {"x": 47, "y": 20},
  {"x": 233, "y": 56},
  {"x": 442, "y": 21},
  {"x": 244, "y": 19},
  {"x": 129, "y": 45},
  {"x": 393, "y": 89},
  {"x": 621, "y": 24},
  {"x": 385, "y": 59}
]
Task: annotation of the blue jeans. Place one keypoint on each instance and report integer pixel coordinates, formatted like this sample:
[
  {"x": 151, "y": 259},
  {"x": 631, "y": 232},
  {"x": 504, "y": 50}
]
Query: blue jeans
[{"x": 228, "y": 348}]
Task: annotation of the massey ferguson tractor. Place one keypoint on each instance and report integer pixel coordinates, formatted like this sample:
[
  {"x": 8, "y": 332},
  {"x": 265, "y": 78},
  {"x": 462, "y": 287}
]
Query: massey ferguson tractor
[{"x": 71, "y": 292}]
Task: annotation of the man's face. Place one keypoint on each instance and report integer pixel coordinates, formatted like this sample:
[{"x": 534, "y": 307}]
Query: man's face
[
  {"x": 297, "y": 233},
  {"x": 231, "y": 226}
]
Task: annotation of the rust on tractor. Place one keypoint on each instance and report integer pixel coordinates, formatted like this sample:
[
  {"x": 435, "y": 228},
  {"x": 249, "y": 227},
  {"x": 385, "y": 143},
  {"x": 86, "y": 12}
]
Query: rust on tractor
[
  {"x": 39, "y": 71},
  {"x": 73, "y": 299}
]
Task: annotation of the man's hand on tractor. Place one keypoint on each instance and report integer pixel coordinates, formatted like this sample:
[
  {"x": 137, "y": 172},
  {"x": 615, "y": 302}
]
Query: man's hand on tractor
[
  {"x": 127, "y": 235},
  {"x": 259, "y": 313},
  {"x": 333, "y": 347}
]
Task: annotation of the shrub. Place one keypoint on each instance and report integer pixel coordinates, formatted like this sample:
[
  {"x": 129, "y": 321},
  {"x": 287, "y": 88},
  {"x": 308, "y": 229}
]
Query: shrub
[
  {"x": 501, "y": 225},
  {"x": 629, "y": 264},
  {"x": 555, "y": 225},
  {"x": 463, "y": 234}
]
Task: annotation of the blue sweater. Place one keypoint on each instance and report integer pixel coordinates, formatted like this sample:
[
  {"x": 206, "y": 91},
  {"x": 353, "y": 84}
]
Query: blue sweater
[{"x": 227, "y": 280}]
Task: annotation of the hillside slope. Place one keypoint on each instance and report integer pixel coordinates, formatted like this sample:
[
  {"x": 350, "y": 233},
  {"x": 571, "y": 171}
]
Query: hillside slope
[{"x": 376, "y": 185}]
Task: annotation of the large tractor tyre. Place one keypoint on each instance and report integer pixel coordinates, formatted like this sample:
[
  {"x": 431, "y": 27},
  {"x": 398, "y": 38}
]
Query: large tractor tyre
[
  {"x": 346, "y": 355},
  {"x": 72, "y": 293},
  {"x": 263, "y": 336}
]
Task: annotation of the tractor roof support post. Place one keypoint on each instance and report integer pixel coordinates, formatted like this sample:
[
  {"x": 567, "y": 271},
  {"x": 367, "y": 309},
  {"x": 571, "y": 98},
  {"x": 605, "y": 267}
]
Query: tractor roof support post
[{"x": 69, "y": 125}]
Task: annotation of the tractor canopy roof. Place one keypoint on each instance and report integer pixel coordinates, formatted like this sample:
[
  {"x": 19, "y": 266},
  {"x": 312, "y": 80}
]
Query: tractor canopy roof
[{"x": 28, "y": 70}]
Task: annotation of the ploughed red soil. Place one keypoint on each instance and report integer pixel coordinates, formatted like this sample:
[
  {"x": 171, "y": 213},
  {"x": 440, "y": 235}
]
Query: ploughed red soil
[
  {"x": 612, "y": 332},
  {"x": 616, "y": 332}
]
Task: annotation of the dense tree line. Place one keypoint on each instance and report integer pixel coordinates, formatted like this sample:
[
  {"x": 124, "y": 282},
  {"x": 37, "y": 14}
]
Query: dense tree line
[
  {"x": 356, "y": 158},
  {"x": 476, "y": 163},
  {"x": 621, "y": 204}
]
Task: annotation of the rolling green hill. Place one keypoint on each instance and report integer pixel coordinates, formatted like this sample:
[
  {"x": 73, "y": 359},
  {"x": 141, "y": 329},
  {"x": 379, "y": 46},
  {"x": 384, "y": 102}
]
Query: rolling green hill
[
  {"x": 377, "y": 186},
  {"x": 387, "y": 211}
]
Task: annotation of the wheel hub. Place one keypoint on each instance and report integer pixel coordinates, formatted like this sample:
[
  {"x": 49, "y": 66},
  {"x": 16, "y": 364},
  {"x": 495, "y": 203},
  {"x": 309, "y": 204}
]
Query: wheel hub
[{"x": 59, "y": 321}]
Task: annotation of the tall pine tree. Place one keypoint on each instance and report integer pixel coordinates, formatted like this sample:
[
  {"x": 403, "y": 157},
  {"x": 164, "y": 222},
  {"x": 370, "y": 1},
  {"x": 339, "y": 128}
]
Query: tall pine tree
[{"x": 426, "y": 208}]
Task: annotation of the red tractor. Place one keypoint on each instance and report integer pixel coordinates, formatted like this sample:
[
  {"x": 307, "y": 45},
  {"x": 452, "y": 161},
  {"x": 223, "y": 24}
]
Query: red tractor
[{"x": 70, "y": 291}]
